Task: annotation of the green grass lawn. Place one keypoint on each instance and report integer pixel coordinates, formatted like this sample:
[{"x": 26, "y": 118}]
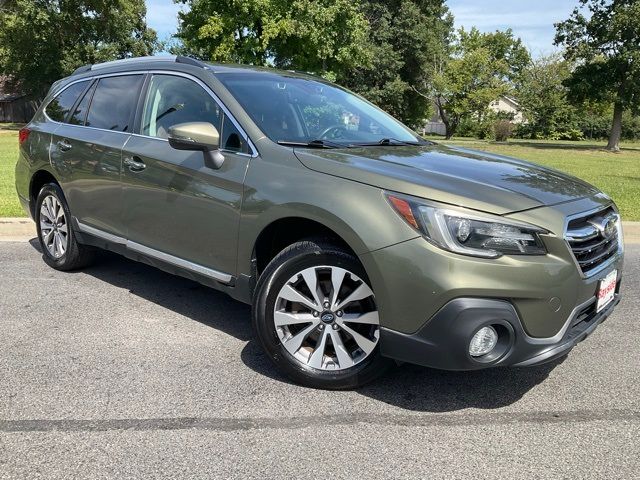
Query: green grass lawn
[
  {"x": 617, "y": 174},
  {"x": 9, "y": 204}
]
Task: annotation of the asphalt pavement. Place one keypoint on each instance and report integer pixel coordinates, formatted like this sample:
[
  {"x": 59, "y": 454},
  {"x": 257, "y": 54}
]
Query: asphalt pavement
[{"x": 123, "y": 371}]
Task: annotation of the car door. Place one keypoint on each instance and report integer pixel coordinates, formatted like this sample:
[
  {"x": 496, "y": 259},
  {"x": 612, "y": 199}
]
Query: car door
[
  {"x": 176, "y": 208},
  {"x": 87, "y": 149}
]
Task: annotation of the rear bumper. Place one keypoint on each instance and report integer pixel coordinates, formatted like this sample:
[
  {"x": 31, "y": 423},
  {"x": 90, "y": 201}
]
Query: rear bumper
[{"x": 444, "y": 340}]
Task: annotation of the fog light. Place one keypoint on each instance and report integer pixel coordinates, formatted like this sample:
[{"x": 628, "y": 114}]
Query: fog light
[{"x": 483, "y": 341}]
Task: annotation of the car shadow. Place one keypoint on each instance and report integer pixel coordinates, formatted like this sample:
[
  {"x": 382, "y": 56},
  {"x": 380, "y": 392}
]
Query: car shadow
[
  {"x": 407, "y": 386},
  {"x": 181, "y": 295},
  {"x": 422, "y": 389}
]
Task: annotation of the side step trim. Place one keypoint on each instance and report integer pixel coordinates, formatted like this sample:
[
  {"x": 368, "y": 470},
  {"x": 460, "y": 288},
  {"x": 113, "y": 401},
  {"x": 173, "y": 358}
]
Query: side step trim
[{"x": 157, "y": 254}]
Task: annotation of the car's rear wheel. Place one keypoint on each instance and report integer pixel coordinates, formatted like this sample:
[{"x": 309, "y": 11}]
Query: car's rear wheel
[
  {"x": 316, "y": 317},
  {"x": 60, "y": 248}
]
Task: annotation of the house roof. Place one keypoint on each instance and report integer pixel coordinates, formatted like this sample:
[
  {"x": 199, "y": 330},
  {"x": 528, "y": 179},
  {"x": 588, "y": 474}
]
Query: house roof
[{"x": 511, "y": 100}]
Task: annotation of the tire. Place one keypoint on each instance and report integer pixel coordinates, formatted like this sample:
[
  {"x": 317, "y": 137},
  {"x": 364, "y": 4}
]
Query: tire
[
  {"x": 63, "y": 253},
  {"x": 347, "y": 361}
]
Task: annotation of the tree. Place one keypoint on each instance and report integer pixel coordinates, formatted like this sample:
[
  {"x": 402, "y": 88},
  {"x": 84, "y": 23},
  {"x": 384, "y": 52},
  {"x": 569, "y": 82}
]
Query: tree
[
  {"x": 483, "y": 67},
  {"x": 44, "y": 40},
  {"x": 606, "y": 44},
  {"x": 543, "y": 97},
  {"x": 406, "y": 39},
  {"x": 380, "y": 49},
  {"x": 323, "y": 36}
]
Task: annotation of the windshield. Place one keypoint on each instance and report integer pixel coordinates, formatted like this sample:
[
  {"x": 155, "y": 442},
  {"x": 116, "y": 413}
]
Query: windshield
[{"x": 300, "y": 110}]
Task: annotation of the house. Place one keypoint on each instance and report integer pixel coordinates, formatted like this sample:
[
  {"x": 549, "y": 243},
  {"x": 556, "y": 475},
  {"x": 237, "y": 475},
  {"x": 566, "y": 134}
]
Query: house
[
  {"x": 509, "y": 105},
  {"x": 14, "y": 106},
  {"x": 504, "y": 104}
]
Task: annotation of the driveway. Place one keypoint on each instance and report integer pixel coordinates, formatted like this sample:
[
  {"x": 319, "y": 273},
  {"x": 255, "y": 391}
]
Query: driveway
[{"x": 122, "y": 370}]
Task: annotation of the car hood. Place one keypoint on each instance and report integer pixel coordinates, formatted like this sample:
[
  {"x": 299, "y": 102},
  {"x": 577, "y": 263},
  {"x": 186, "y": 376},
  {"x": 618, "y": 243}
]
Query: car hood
[{"x": 457, "y": 176}]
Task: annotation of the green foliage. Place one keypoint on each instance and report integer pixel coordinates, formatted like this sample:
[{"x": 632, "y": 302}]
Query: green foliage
[
  {"x": 483, "y": 68},
  {"x": 543, "y": 97},
  {"x": 384, "y": 50},
  {"x": 502, "y": 130},
  {"x": 324, "y": 36},
  {"x": 44, "y": 40},
  {"x": 407, "y": 38},
  {"x": 603, "y": 36}
]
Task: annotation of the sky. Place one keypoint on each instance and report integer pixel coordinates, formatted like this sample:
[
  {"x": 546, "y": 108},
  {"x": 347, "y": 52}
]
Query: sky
[{"x": 532, "y": 21}]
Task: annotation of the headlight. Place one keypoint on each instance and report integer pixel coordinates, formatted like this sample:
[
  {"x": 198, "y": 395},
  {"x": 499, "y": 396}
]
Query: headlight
[{"x": 467, "y": 232}]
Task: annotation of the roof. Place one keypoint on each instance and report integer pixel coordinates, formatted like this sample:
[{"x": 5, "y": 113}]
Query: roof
[{"x": 215, "y": 68}]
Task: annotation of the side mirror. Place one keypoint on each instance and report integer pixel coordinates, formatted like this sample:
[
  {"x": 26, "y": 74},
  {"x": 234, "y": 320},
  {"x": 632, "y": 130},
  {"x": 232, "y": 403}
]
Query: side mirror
[{"x": 200, "y": 136}]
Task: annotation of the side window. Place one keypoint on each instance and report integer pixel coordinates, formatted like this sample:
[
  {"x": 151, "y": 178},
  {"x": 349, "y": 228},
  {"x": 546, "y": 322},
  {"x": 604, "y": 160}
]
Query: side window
[
  {"x": 80, "y": 112},
  {"x": 230, "y": 137},
  {"x": 114, "y": 102},
  {"x": 172, "y": 100},
  {"x": 59, "y": 107}
]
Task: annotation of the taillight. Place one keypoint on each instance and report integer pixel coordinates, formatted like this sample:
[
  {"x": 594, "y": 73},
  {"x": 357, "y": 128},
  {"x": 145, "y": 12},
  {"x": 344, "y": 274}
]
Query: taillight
[{"x": 23, "y": 134}]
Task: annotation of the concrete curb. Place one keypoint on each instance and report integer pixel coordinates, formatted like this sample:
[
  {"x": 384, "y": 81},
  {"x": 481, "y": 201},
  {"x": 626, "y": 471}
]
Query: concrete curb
[
  {"x": 17, "y": 229},
  {"x": 23, "y": 229}
]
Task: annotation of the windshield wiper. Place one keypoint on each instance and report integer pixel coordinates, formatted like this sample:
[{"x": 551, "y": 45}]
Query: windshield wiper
[
  {"x": 318, "y": 143},
  {"x": 388, "y": 141}
]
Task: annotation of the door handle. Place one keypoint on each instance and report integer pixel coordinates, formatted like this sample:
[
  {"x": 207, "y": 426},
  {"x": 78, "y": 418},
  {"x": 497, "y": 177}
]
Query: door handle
[
  {"x": 134, "y": 164},
  {"x": 64, "y": 145}
]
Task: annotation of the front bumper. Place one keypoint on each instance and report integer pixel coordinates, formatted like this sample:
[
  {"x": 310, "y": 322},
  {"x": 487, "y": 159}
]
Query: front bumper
[
  {"x": 444, "y": 341},
  {"x": 432, "y": 301}
]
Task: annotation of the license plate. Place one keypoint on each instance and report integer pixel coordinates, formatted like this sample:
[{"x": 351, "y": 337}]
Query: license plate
[{"x": 606, "y": 290}]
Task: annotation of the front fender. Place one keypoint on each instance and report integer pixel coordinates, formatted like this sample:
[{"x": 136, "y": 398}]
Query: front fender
[{"x": 357, "y": 212}]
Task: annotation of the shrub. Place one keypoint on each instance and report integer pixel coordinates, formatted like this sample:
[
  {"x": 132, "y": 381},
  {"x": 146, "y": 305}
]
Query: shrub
[
  {"x": 568, "y": 134},
  {"x": 502, "y": 129}
]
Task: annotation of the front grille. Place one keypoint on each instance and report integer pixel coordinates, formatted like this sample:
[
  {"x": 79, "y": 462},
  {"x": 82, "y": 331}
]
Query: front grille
[{"x": 593, "y": 239}]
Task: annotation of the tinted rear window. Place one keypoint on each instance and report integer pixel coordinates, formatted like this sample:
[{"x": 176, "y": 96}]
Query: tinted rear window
[
  {"x": 80, "y": 112},
  {"x": 113, "y": 103},
  {"x": 59, "y": 107}
]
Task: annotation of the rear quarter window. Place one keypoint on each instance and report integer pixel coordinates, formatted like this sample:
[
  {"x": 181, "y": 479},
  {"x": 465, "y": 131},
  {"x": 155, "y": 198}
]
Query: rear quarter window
[{"x": 59, "y": 107}]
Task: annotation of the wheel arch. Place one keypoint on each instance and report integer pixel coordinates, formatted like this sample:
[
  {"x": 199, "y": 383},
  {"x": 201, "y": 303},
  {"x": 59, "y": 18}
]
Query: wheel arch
[
  {"x": 38, "y": 180},
  {"x": 281, "y": 232}
]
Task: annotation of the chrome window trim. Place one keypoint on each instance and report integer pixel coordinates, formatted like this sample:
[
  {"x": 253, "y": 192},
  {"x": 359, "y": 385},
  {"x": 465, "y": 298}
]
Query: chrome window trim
[
  {"x": 56, "y": 94},
  {"x": 610, "y": 261},
  {"x": 207, "y": 89},
  {"x": 90, "y": 79},
  {"x": 222, "y": 277}
]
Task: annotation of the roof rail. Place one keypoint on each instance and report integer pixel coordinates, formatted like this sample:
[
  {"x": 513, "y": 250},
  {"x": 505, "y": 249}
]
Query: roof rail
[
  {"x": 191, "y": 61},
  {"x": 82, "y": 69},
  {"x": 150, "y": 59}
]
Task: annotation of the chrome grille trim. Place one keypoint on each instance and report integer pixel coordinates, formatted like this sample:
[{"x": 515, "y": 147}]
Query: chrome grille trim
[{"x": 592, "y": 249}]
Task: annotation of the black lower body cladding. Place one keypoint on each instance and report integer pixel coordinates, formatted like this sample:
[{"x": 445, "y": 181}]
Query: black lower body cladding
[{"x": 443, "y": 342}]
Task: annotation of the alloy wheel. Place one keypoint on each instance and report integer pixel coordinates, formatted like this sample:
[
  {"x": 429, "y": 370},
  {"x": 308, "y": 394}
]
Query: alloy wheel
[
  {"x": 326, "y": 318},
  {"x": 54, "y": 230}
]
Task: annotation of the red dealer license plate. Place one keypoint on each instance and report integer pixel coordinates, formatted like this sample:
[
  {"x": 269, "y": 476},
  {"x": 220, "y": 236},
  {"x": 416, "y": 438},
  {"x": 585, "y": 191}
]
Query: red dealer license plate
[{"x": 606, "y": 290}]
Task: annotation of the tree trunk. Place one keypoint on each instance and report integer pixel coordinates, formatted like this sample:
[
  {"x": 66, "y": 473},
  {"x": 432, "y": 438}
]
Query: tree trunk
[
  {"x": 449, "y": 125},
  {"x": 616, "y": 128},
  {"x": 449, "y": 131}
]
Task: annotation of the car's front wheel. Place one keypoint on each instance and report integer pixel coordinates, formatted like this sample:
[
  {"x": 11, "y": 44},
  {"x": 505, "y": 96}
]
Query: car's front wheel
[
  {"x": 60, "y": 248},
  {"x": 316, "y": 317}
]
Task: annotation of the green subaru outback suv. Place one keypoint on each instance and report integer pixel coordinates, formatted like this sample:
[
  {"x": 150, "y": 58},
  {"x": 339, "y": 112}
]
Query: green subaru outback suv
[{"x": 356, "y": 242}]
